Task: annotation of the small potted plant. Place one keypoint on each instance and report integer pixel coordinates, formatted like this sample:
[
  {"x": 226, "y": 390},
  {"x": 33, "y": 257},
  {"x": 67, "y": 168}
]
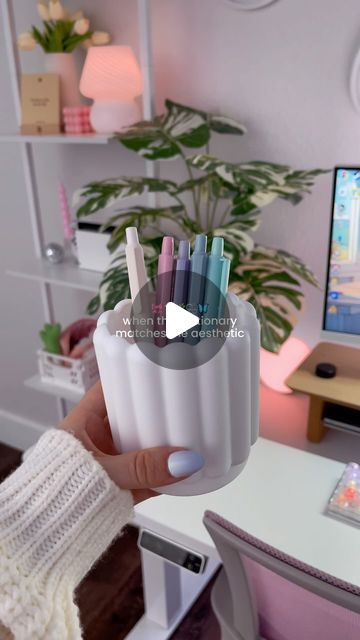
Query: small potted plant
[
  {"x": 62, "y": 32},
  {"x": 68, "y": 358}
]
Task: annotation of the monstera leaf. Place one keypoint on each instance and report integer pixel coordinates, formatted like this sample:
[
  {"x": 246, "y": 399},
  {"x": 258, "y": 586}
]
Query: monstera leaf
[
  {"x": 108, "y": 193},
  {"x": 259, "y": 183},
  {"x": 163, "y": 137},
  {"x": 263, "y": 279}
]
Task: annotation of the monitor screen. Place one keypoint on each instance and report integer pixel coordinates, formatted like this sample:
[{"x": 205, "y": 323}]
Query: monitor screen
[{"x": 342, "y": 301}]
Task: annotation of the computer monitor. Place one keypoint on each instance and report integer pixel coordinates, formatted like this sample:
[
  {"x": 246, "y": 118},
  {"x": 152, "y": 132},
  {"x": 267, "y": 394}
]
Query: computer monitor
[{"x": 341, "y": 320}]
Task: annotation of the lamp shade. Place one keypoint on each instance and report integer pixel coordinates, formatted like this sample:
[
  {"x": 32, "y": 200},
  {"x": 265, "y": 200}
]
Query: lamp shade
[{"x": 111, "y": 73}]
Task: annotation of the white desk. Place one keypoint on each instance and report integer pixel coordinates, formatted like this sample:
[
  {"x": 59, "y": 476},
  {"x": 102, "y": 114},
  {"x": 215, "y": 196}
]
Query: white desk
[{"x": 280, "y": 497}]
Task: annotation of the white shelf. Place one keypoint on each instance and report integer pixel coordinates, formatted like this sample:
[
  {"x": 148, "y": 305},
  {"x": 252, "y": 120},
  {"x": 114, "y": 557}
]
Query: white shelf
[
  {"x": 64, "y": 274},
  {"x": 67, "y": 138},
  {"x": 35, "y": 382}
]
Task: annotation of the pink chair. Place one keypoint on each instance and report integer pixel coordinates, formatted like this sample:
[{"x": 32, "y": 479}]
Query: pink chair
[{"x": 262, "y": 593}]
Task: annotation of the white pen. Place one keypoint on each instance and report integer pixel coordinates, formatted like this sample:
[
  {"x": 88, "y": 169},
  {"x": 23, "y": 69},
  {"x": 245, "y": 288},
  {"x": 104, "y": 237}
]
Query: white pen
[{"x": 135, "y": 264}]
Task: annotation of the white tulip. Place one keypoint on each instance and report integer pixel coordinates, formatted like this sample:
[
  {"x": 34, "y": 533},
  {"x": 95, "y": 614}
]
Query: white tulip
[
  {"x": 43, "y": 11},
  {"x": 56, "y": 10},
  {"x": 76, "y": 16},
  {"x": 99, "y": 38},
  {"x": 81, "y": 26},
  {"x": 26, "y": 42}
]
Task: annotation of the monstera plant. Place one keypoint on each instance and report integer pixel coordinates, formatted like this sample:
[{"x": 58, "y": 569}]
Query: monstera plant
[{"x": 226, "y": 199}]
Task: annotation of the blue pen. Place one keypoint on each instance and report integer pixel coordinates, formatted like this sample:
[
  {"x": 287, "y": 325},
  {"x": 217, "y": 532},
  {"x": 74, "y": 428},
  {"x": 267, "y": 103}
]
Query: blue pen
[
  {"x": 181, "y": 278},
  {"x": 217, "y": 275},
  {"x": 198, "y": 266}
]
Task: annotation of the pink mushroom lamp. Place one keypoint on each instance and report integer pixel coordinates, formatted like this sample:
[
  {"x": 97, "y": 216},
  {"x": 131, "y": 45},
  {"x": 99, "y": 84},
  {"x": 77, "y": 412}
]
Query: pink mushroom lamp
[{"x": 112, "y": 78}]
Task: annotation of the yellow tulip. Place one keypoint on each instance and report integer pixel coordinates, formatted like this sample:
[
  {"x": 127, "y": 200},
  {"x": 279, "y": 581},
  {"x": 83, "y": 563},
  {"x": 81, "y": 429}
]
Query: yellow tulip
[
  {"x": 43, "y": 11},
  {"x": 26, "y": 42},
  {"x": 81, "y": 26},
  {"x": 56, "y": 10},
  {"x": 99, "y": 38}
]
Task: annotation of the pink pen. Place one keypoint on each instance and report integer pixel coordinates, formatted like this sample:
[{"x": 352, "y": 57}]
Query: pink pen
[{"x": 163, "y": 288}]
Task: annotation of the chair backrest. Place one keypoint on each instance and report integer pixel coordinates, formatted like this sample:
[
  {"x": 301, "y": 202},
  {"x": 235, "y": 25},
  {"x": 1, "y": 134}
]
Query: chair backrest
[{"x": 277, "y": 597}]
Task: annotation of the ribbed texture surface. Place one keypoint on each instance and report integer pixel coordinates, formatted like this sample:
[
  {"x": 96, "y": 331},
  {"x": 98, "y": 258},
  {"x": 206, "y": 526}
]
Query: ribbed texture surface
[
  {"x": 58, "y": 513},
  {"x": 212, "y": 408}
]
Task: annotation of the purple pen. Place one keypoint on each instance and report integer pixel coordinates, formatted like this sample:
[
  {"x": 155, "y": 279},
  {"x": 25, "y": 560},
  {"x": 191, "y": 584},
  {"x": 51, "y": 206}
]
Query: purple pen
[{"x": 163, "y": 288}]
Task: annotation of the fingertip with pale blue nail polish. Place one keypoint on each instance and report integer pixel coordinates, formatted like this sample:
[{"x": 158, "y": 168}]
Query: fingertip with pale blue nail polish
[{"x": 184, "y": 463}]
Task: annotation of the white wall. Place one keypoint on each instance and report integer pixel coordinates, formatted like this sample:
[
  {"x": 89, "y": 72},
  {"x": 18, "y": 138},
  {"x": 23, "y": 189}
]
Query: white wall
[{"x": 282, "y": 71}]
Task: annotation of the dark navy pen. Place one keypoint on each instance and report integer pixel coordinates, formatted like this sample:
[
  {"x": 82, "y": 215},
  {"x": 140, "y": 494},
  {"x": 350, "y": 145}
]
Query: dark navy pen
[
  {"x": 181, "y": 277},
  {"x": 182, "y": 270}
]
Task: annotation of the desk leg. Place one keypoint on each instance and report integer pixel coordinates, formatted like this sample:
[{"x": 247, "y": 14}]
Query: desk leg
[
  {"x": 315, "y": 428},
  {"x": 169, "y": 593}
]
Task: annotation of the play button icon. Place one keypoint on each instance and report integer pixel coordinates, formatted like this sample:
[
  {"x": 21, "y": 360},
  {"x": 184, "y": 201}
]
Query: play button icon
[
  {"x": 178, "y": 320},
  {"x": 157, "y": 327}
]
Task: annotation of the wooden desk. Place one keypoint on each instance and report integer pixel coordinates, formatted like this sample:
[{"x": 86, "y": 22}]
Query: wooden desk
[
  {"x": 280, "y": 497},
  {"x": 343, "y": 389}
]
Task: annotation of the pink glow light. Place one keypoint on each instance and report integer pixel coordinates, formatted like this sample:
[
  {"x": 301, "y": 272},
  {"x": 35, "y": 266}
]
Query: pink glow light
[{"x": 276, "y": 367}]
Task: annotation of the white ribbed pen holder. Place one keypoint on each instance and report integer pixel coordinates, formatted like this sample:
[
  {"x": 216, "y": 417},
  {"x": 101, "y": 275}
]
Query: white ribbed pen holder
[{"x": 212, "y": 408}]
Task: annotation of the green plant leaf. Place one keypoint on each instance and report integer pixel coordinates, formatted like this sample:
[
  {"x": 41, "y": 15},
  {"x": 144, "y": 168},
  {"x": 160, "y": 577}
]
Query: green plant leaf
[
  {"x": 144, "y": 219},
  {"x": 39, "y": 38},
  {"x": 187, "y": 126},
  {"x": 224, "y": 124},
  {"x": 50, "y": 336},
  {"x": 237, "y": 240},
  {"x": 274, "y": 293},
  {"x": 163, "y": 138},
  {"x": 180, "y": 126},
  {"x": 258, "y": 183},
  {"x": 278, "y": 257},
  {"x": 141, "y": 217},
  {"x": 149, "y": 140},
  {"x": 72, "y": 41},
  {"x": 217, "y": 123},
  {"x": 94, "y": 305},
  {"x": 108, "y": 193}
]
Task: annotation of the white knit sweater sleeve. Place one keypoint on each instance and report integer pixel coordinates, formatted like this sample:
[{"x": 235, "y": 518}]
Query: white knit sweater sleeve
[{"x": 59, "y": 511}]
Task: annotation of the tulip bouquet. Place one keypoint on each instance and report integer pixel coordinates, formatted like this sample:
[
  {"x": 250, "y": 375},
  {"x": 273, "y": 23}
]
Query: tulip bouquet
[{"x": 62, "y": 32}]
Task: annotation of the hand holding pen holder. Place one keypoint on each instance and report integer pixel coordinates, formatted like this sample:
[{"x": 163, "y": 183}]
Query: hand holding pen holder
[{"x": 212, "y": 408}]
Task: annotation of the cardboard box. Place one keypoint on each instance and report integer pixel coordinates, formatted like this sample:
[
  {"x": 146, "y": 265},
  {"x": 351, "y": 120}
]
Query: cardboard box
[{"x": 40, "y": 104}]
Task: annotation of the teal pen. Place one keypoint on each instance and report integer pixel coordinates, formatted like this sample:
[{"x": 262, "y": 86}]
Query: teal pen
[
  {"x": 217, "y": 276},
  {"x": 224, "y": 284},
  {"x": 196, "y": 290}
]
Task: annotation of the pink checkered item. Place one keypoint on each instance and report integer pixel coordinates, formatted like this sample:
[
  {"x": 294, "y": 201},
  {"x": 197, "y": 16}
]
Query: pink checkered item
[{"x": 77, "y": 120}]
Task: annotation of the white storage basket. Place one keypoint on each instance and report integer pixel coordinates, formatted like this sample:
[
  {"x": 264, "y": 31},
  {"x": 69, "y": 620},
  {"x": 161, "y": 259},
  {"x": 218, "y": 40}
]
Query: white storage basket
[
  {"x": 212, "y": 408},
  {"x": 71, "y": 373}
]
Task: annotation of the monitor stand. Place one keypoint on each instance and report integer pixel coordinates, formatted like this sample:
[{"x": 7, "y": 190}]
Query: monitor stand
[{"x": 343, "y": 390}]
